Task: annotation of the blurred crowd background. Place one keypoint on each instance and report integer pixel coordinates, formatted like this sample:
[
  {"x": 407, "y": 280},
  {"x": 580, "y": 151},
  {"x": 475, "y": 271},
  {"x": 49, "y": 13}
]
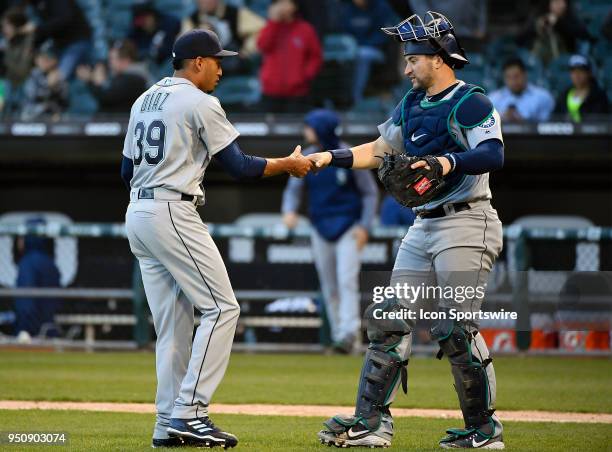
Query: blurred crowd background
[
  {"x": 67, "y": 65},
  {"x": 78, "y": 58}
]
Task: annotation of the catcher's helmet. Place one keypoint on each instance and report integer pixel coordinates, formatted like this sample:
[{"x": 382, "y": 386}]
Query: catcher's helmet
[{"x": 431, "y": 36}]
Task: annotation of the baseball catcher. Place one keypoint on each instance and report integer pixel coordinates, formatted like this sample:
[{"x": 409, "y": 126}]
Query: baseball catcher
[{"x": 434, "y": 154}]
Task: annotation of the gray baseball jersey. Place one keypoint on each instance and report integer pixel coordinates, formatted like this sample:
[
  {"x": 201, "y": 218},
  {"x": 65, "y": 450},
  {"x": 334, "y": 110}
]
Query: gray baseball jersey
[{"x": 173, "y": 132}]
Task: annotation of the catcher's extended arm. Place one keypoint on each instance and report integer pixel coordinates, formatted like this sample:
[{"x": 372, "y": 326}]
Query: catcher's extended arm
[{"x": 370, "y": 155}]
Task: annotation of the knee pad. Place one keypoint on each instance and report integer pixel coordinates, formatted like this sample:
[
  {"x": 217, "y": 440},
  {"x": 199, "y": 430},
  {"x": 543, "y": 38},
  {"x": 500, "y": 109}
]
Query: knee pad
[
  {"x": 382, "y": 329},
  {"x": 469, "y": 373}
]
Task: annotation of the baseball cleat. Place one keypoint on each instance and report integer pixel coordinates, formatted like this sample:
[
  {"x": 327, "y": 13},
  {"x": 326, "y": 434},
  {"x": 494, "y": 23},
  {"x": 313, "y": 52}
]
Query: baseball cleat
[
  {"x": 200, "y": 432},
  {"x": 358, "y": 435},
  {"x": 167, "y": 442},
  {"x": 471, "y": 439}
]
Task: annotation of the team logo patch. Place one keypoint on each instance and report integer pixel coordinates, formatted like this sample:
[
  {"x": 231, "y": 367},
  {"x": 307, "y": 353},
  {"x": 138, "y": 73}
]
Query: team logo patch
[
  {"x": 422, "y": 185},
  {"x": 488, "y": 123}
]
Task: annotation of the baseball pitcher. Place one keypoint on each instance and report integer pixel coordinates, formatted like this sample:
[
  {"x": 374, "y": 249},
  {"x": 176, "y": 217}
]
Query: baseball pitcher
[{"x": 176, "y": 127}]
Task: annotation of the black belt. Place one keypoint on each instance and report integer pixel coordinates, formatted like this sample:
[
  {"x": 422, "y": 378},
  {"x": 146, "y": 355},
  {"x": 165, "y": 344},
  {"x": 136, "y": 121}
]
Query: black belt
[
  {"x": 148, "y": 193},
  {"x": 439, "y": 212}
]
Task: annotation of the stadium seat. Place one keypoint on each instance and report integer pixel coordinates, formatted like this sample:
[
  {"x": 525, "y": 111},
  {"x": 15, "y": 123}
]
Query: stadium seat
[
  {"x": 475, "y": 75},
  {"x": 93, "y": 13},
  {"x": 239, "y": 90},
  {"x": 558, "y": 75},
  {"x": 602, "y": 49},
  {"x": 125, "y": 4},
  {"x": 501, "y": 49},
  {"x": 607, "y": 66},
  {"x": 118, "y": 17},
  {"x": 161, "y": 70},
  {"x": 334, "y": 82},
  {"x": 606, "y": 76},
  {"x": 178, "y": 8},
  {"x": 535, "y": 68},
  {"x": 594, "y": 13},
  {"x": 258, "y": 6},
  {"x": 476, "y": 59},
  {"x": 80, "y": 100},
  {"x": 588, "y": 3},
  {"x": 339, "y": 47}
]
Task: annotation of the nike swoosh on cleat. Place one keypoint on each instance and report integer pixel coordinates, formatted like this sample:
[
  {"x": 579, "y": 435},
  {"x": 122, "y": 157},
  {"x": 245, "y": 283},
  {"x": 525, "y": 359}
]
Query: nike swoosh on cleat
[
  {"x": 478, "y": 444},
  {"x": 352, "y": 435},
  {"x": 413, "y": 138}
]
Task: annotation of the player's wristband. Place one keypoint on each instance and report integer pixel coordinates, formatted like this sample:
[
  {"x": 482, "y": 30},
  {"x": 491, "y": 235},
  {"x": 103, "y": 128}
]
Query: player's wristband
[
  {"x": 341, "y": 158},
  {"x": 452, "y": 161}
]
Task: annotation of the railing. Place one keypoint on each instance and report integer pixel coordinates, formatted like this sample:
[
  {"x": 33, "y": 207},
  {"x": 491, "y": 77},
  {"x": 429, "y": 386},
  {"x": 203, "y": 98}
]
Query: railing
[{"x": 140, "y": 319}]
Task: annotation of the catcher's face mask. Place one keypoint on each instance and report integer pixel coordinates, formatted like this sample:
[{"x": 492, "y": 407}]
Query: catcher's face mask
[{"x": 431, "y": 36}]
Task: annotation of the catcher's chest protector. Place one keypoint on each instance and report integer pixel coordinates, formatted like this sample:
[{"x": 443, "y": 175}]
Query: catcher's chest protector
[{"x": 425, "y": 125}]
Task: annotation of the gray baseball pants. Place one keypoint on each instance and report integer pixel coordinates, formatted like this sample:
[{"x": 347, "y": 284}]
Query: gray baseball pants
[
  {"x": 338, "y": 264},
  {"x": 451, "y": 251},
  {"x": 182, "y": 269}
]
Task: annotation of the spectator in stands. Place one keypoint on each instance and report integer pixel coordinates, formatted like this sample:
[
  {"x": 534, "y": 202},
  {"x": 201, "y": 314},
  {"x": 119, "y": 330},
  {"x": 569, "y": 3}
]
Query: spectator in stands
[
  {"x": 341, "y": 205},
  {"x": 237, "y": 27},
  {"x": 584, "y": 99},
  {"x": 519, "y": 100},
  {"x": 292, "y": 58},
  {"x": 363, "y": 20},
  {"x": 45, "y": 91},
  {"x": 36, "y": 268},
  {"x": 18, "y": 56},
  {"x": 128, "y": 80},
  {"x": 63, "y": 22},
  {"x": 153, "y": 33},
  {"x": 555, "y": 31},
  {"x": 392, "y": 213}
]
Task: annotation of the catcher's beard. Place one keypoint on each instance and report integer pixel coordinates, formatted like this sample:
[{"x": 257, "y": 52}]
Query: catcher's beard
[{"x": 424, "y": 80}]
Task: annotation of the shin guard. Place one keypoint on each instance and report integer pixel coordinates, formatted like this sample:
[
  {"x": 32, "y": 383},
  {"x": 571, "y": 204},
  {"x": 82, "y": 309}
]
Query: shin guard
[{"x": 471, "y": 381}]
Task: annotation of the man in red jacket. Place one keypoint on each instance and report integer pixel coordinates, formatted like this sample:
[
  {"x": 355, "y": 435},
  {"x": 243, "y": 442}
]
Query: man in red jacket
[{"x": 292, "y": 58}]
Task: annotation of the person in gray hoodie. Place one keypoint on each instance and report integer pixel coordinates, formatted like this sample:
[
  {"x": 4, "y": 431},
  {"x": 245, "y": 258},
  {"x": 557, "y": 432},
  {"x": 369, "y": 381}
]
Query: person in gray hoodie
[{"x": 342, "y": 204}]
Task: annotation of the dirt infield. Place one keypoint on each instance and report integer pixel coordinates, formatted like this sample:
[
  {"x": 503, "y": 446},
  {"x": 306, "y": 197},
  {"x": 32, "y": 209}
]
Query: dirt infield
[{"x": 307, "y": 410}]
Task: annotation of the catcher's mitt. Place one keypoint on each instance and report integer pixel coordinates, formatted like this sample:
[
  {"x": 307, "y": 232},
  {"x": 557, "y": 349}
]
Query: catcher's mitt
[{"x": 411, "y": 187}]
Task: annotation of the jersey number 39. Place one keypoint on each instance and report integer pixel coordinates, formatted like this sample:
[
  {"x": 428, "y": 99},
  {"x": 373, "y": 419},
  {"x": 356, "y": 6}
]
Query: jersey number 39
[{"x": 150, "y": 142}]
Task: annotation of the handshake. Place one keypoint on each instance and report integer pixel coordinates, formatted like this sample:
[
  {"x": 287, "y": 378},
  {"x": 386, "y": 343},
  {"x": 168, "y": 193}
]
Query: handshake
[{"x": 298, "y": 165}]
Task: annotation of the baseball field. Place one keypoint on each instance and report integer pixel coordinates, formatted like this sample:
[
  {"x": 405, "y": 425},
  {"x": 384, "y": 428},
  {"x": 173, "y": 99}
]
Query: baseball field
[{"x": 103, "y": 401}]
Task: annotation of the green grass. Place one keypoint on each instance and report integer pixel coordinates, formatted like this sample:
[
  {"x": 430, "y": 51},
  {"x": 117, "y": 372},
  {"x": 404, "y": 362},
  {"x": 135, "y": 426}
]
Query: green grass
[
  {"x": 115, "y": 431},
  {"x": 563, "y": 384}
]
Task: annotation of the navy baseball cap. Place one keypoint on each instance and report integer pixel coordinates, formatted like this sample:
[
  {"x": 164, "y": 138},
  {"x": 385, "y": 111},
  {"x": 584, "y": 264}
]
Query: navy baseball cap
[
  {"x": 199, "y": 43},
  {"x": 579, "y": 62}
]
